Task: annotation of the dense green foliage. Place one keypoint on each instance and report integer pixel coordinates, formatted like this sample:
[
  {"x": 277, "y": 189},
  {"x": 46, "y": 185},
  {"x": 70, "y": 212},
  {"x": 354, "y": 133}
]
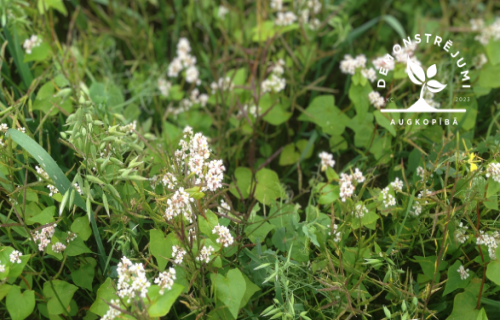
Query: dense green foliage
[{"x": 110, "y": 206}]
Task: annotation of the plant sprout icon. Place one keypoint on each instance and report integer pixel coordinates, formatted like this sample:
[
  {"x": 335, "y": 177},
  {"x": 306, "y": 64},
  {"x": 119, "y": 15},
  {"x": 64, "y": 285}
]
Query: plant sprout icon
[{"x": 417, "y": 76}]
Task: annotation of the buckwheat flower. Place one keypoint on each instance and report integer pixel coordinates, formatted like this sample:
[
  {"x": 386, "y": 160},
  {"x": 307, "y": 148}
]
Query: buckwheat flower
[
  {"x": 174, "y": 68},
  {"x": 223, "y": 84},
  {"x": 397, "y": 185},
  {"x": 4, "y": 127},
  {"x": 112, "y": 313},
  {"x": 179, "y": 203},
  {"x": 165, "y": 280},
  {"x": 277, "y": 4},
  {"x": 389, "y": 199},
  {"x": 215, "y": 175},
  {"x": 205, "y": 253},
  {"x": 369, "y": 74},
  {"x": 273, "y": 84},
  {"x": 183, "y": 46},
  {"x": 187, "y": 132},
  {"x": 314, "y": 24},
  {"x": 314, "y": 5},
  {"x": 285, "y": 19},
  {"x": 203, "y": 99},
  {"x": 385, "y": 62},
  {"x": 2, "y": 267},
  {"x": 359, "y": 211},
  {"x": 224, "y": 207},
  {"x": 476, "y": 24},
  {"x": 43, "y": 236},
  {"x": 169, "y": 180},
  {"x": 337, "y": 236},
  {"x": 326, "y": 160},
  {"x": 461, "y": 233},
  {"x": 164, "y": 86},
  {"x": 358, "y": 176},
  {"x": 31, "y": 43},
  {"x": 429, "y": 98},
  {"x": 479, "y": 61},
  {"x": 346, "y": 186},
  {"x": 405, "y": 52},
  {"x": 491, "y": 32},
  {"x": 421, "y": 172},
  {"x": 178, "y": 254},
  {"x": 222, "y": 12},
  {"x": 78, "y": 189},
  {"x": 490, "y": 241},
  {"x": 252, "y": 110},
  {"x": 464, "y": 274},
  {"x": 376, "y": 99},
  {"x": 417, "y": 209},
  {"x": 58, "y": 247},
  {"x": 42, "y": 174},
  {"x": 192, "y": 74},
  {"x": 71, "y": 236},
  {"x": 15, "y": 256},
  {"x": 348, "y": 65},
  {"x": 132, "y": 281},
  {"x": 224, "y": 236},
  {"x": 52, "y": 190},
  {"x": 22, "y": 129},
  {"x": 493, "y": 171}
]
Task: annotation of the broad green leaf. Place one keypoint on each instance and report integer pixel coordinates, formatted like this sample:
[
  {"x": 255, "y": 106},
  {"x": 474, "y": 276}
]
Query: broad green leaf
[
  {"x": 289, "y": 155},
  {"x": 15, "y": 269},
  {"x": 44, "y": 217},
  {"x": 328, "y": 193},
  {"x": 268, "y": 186},
  {"x": 454, "y": 281},
  {"x": 493, "y": 268},
  {"x": 251, "y": 288},
  {"x": 84, "y": 275},
  {"x": 301, "y": 146},
  {"x": 488, "y": 77},
  {"x": 493, "y": 52},
  {"x": 258, "y": 230},
  {"x": 82, "y": 228},
  {"x": 58, "y": 5},
  {"x": 105, "y": 292},
  {"x": 359, "y": 97},
  {"x": 243, "y": 178},
  {"x": 62, "y": 289},
  {"x": 76, "y": 247},
  {"x": 367, "y": 220},
  {"x": 161, "y": 247},
  {"x": 4, "y": 290},
  {"x": 464, "y": 307},
  {"x": 207, "y": 225},
  {"x": 323, "y": 112},
  {"x": 384, "y": 122},
  {"x": 20, "y": 305},
  {"x": 46, "y": 100},
  {"x": 230, "y": 290},
  {"x": 482, "y": 315},
  {"x": 39, "y": 53},
  {"x": 161, "y": 306}
]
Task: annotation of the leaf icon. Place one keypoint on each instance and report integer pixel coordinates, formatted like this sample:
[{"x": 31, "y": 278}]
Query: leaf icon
[
  {"x": 431, "y": 72},
  {"x": 415, "y": 72},
  {"x": 435, "y": 86}
]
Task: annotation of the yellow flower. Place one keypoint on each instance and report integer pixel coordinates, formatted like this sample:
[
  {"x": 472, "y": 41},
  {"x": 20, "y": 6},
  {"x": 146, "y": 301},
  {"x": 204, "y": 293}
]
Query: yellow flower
[{"x": 471, "y": 161}]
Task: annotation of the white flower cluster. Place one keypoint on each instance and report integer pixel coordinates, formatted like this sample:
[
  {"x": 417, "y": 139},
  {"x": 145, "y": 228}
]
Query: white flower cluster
[
  {"x": 253, "y": 110},
  {"x": 31, "y": 43},
  {"x": 417, "y": 207},
  {"x": 385, "y": 62},
  {"x": 221, "y": 14},
  {"x": 464, "y": 274},
  {"x": 326, "y": 160},
  {"x": 205, "y": 253},
  {"x": 277, "y": 5},
  {"x": 132, "y": 280},
  {"x": 78, "y": 189},
  {"x": 389, "y": 199},
  {"x": 397, "y": 185},
  {"x": 376, "y": 99},
  {"x": 360, "y": 210},
  {"x": 15, "y": 256},
  {"x": 179, "y": 203},
  {"x": 461, "y": 233},
  {"x": 407, "y": 52},
  {"x": 493, "y": 171},
  {"x": 337, "y": 236},
  {"x": 165, "y": 280},
  {"x": 224, "y": 207},
  {"x": 225, "y": 238},
  {"x": 479, "y": 61},
  {"x": 178, "y": 253},
  {"x": 194, "y": 98},
  {"x": 429, "y": 98},
  {"x": 71, "y": 236},
  {"x": 164, "y": 86},
  {"x": 223, "y": 84},
  {"x": 43, "y": 236},
  {"x": 112, "y": 312},
  {"x": 350, "y": 64},
  {"x": 22, "y": 129},
  {"x": 346, "y": 183},
  {"x": 285, "y": 18},
  {"x": 421, "y": 172},
  {"x": 2, "y": 267},
  {"x": 491, "y": 32},
  {"x": 53, "y": 190},
  {"x": 58, "y": 247},
  {"x": 184, "y": 61},
  {"x": 199, "y": 152},
  {"x": 491, "y": 241},
  {"x": 130, "y": 128},
  {"x": 275, "y": 82},
  {"x": 4, "y": 127}
]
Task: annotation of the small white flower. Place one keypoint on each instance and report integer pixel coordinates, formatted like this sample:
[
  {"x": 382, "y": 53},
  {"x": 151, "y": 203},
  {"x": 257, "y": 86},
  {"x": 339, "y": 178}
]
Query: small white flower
[
  {"x": 225, "y": 238},
  {"x": 15, "y": 256},
  {"x": 464, "y": 274},
  {"x": 326, "y": 160},
  {"x": 376, "y": 99},
  {"x": 222, "y": 12},
  {"x": 493, "y": 171},
  {"x": 397, "y": 185},
  {"x": 205, "y": 253},
  {"x": 165, "y": 280},
  {"x": 4, "y": 127},
  {"x": 58, "y": 247}
]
